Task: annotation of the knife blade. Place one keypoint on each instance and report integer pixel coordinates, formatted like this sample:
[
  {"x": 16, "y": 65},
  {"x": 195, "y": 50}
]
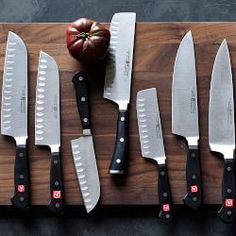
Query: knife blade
[
  {"x": 118, "y": 82},
  {"x": 185, "y": 116},
  {"x": 222, "y": 128},
  {"x": 14, "y": 115},
  {"x": 152, "y": 145},
  {"x": 47, "y": 124},
  {"x": 83, "y": 147}
]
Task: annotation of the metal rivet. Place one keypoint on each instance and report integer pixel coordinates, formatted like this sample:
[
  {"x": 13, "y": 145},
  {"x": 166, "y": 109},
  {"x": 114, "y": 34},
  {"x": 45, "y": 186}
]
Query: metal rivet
[
  {"x": 55, "y": 162},
  {"x": 122, "y": 140},
  {"x": 194, "y": 199},
  {"x": 22, "y": 199},
  {"x": 194, "y": 176},
  {"x": 118, "y": 161},
  {"x": 85, "y": 119},
  {"x": 163, "y": 173},
  {"x": 21, "y": 154},
  {"x": 22, "y": 176},
  {"x": 80, "y": 78},
  {"x": 122, "y": 118},
  {"x": 228, "y": 168},
  {"x": 56, "y": 183},
  {"x": 57, "y": 205},
  {"x": 229, "y": 190},
  {"x": 82, "y": 99},
  {"x": 229, "y": 212},
  {"x": 165, "y": 194}
]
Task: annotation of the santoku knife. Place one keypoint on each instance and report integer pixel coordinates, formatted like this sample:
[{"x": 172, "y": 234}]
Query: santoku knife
[
  {"x": 151, "y": 139},
  {"x": 185, "y": 116},
  {"x": 14, "y": 115},
  {"x": 83, "y": 148},
  {"x": 222, "y": 128},
  {"x": 47, "y": 124},
  {"x": 118, "y": 82}
]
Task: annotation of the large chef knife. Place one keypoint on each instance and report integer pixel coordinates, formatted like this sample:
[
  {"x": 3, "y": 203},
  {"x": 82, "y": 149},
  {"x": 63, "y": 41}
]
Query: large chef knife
[
  {"x": 83, "y": 148},
  {"x": 185, "y": 116},
  {"x": 151, "y": 139},
  {"x": 14, "y": 116},
  {"x": 222, "y": 128},
  {"x": 47, "y": 124},
  {"x": 118, "y": 81}
]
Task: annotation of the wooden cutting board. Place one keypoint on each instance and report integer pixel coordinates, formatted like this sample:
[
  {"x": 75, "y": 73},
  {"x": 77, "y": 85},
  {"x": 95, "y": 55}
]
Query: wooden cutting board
[{"x": 154, "y": 54}]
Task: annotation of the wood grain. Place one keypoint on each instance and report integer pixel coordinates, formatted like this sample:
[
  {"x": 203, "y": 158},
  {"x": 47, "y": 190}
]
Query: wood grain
[{"x": 155, "y": 48}]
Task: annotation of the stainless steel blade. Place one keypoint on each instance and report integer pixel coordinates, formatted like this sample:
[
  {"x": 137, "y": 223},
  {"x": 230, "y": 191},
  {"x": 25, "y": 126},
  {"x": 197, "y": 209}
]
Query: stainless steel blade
[
  {"x": 47, "y": 109},
  {"x": 149, "y": 123},
  {"x": 119, "y": 66},
  {"x": 184, "y": 92},
  {"x": 86, "y": 170},
  {"x": 221, "y": 106},
  {"x": 15, "y": 90}
]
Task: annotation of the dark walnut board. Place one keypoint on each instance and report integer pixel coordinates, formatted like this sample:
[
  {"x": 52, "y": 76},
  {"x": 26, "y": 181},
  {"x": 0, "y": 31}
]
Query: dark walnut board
[{"x": 154, "y": 54}]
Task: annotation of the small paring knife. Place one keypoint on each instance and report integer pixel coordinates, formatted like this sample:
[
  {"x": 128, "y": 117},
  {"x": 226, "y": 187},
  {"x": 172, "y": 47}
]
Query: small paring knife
[
  {"x": 152, "y": 145},
  {"x": 83, "y": 147}
]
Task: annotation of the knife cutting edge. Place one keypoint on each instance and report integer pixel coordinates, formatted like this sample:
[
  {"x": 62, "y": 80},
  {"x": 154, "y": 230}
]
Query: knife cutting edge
[
  {"x": 152, "y": 145},
  {"x": 118, "y": 82},
  {"x": 185, "y": 116},
  {"x": 47, "y": 125},
  {"x": 222, "y": 127},
  {"x": 14, "y": 115},
  {"x": 83, "y": 148}
]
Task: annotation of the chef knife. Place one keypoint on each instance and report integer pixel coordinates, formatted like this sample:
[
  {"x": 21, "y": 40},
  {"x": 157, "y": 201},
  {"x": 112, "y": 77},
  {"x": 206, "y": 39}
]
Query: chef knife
[
  {"x": 185, "y": 116},
  {"x": 14, "y": 115},
  {"x": 222, "y": 128},
  {"x": 83, "y": 148},
  {"x": 118, "y": 82},
  {"x": 151, "y": 139},
  {"x": 47, "y": 124}
]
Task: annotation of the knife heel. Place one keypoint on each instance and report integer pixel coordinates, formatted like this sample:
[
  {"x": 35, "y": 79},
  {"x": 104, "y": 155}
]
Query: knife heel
[
  {"x": 119, "y": 158},
  {"x": 228, "y": 211},
  {"x": 56, "y": 203},
  {"x": 21, "y": 198},
  {"x": 164, "y": 192},
  {"x": 193, "y": 198}
]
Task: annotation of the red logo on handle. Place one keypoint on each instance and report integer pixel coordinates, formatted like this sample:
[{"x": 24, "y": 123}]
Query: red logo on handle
[
  {"x": 229, "y": 202},
  {"x": 194, "y": 189},
  {"x": 166, "y": 207},
  {"x": 21, "y": 188},
  {"x": 56, "y": 194}
]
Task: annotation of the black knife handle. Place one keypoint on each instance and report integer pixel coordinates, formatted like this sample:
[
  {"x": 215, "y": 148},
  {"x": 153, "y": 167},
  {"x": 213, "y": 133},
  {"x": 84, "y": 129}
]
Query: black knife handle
[
  {"x": 193, "y": 198},
  {"x": 120, "y": 154},
  {"x": 56, "y": 203},
  {"x": 21, "y": 198},
  {"x": 80, "y": 83},
  {"x": 164, "y": 192},
  {"x": 228, "y": 210}
]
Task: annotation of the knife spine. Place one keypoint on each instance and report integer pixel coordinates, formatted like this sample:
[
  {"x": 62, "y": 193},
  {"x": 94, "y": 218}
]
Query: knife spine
[{"x": 81, "y": 176}]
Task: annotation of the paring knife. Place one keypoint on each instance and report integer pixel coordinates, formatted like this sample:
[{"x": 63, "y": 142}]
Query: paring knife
[
  {"x": 14, "y": 116},
  {"x": 118, "y": 81},
  {"x": 185, "y": 116},
  {"x": 47, "y": 124},
  {"x": 222, "y": 128},
  {"x": 83, "y": 148},
  {"x": 151, "y": 139}
]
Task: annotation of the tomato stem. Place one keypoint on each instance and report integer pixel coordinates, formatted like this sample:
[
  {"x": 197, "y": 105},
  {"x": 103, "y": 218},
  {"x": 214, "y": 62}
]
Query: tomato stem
[{"x": 83, "y": 35}]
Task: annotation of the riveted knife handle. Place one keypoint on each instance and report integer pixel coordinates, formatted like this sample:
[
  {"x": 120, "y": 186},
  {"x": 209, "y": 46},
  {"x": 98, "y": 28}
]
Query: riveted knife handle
[
  {"x": 193, "y": 198},
  {"x": 21, "y": 198},
  {"x": 228, "y": 211},
  {"x": 80, "y": 83},
  {"x": 120, "y": 154},
  {"x": 56, "y": 203},
  {"x": 164, "y": 192}
]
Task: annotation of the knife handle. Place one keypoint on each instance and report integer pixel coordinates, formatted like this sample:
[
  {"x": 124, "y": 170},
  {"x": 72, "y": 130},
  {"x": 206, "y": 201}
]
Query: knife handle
[
  {"x": 80, "y": 84},
  {"x": 193, "y": 198},
  {"x": 21, "y": 198},
  {"x": 56, "y": 185},
  {"x": 164, "y": 192},
  {"x": 228, "y": 210},
  {"x": 119, "y": 157}
]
